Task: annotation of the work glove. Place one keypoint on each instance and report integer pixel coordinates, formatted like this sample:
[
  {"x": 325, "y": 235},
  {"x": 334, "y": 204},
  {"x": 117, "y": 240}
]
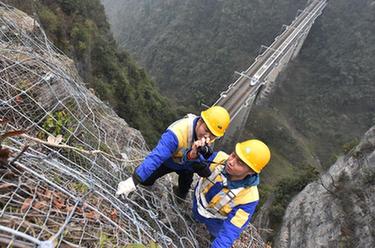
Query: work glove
[
  {"x": 125, "y": 187},
  {"x": 201, "y": 167}
]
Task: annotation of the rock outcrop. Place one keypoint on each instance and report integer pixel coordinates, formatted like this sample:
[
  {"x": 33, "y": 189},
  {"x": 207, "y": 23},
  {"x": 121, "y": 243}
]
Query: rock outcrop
[{"x": 339, "y": 209}]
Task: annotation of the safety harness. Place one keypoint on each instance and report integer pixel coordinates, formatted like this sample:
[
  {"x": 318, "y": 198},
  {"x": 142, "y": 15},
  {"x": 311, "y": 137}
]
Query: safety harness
[{"x": 213, "y": 211}]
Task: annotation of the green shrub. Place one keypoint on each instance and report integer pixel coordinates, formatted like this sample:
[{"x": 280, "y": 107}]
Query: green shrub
[
  {"x": 286, "y": 189},
  {"x": 58, "y": 123}
]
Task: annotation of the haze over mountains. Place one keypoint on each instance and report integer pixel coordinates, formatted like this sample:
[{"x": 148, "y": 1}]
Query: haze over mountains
[{"x": 323, "y": 101}]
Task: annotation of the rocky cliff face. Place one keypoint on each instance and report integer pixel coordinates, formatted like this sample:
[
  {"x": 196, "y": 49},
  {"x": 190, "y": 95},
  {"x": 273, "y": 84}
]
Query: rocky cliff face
[{"x": 339, "y": 209}]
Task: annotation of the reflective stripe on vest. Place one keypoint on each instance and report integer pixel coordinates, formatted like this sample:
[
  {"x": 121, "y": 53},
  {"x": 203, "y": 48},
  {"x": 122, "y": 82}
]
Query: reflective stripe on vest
[{"x": 184, "y": 131}]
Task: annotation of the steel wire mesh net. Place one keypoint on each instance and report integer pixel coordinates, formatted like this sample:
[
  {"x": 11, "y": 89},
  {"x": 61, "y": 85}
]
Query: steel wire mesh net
[{"x": 59, "y": 173}]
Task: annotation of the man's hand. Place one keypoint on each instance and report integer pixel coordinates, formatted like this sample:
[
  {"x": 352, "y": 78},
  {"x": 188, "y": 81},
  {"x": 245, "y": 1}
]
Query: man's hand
[
  {"x": 202, "y": 168},
  {"x": 193, "y": 154},
  {"x": 125, "y": 187}
]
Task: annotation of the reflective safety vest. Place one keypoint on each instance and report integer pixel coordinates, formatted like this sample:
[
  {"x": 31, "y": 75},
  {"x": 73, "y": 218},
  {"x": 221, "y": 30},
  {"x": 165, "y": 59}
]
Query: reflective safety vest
[
  {"x": 225, "y": 200},
  {"x": 184, "y": 131}
]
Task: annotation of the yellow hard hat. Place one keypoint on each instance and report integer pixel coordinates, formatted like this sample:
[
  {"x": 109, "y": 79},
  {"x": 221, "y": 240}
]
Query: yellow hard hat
[
  {"x": 254, "y": 153},
  {"x": 217, "y": 120}
]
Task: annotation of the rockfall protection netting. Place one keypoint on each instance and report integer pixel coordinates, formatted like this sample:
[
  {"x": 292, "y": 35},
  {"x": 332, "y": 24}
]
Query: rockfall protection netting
[{"x": 58, "y": 175}]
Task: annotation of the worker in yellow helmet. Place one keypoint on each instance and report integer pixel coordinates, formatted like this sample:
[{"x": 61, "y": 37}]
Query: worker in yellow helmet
[
  {"x": 226, "y": 199},
  {"x": 166, "y": 157}
]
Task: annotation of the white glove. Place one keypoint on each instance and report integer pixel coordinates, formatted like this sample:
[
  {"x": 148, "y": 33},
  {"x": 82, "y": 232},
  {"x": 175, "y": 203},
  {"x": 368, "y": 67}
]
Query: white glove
[{"x": 125, "y": 187}]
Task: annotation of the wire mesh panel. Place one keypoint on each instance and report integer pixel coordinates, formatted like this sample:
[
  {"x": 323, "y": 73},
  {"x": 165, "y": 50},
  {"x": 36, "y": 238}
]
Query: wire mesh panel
[{"x": 60, "y": 169}]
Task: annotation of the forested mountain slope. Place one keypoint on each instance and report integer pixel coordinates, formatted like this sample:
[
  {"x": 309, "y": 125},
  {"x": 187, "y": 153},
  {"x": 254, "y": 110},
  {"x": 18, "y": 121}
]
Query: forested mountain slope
[
  {"x": 322, "y": 102},
  {"x": 194, "y": 46}
]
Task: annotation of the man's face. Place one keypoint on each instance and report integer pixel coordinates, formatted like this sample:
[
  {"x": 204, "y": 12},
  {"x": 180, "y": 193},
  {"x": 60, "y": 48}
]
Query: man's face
[
  {"x": 202, "y": 131},
  {"x": 236, "y": 167}
]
